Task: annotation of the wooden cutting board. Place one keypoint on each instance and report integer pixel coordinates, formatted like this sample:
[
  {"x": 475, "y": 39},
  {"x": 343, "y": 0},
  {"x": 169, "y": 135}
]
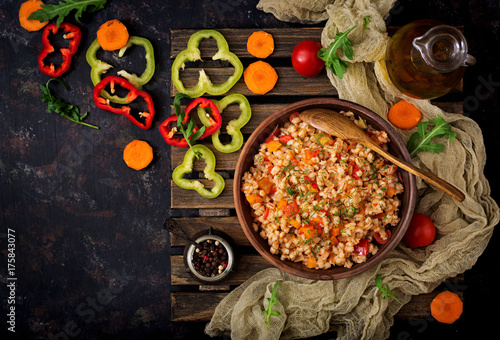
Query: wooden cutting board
[{"x": 218, "y": 213}]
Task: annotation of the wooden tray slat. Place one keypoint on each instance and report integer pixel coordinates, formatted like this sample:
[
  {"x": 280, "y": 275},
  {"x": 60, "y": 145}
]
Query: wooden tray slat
[
  {"x": 189, "y": 199},
  {"x": 201, "y": 306},
  {"x": 224, "y": 161},
  {"x": 290, "y": 83},
  {"x": 285, "y": 40},
  {"x": 192, "y": 225},
  {"x": 248, "y": 265}
]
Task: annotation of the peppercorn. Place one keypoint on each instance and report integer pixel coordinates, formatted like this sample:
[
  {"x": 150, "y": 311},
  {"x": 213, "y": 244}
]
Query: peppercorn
[{"x": 210, "y": 259}]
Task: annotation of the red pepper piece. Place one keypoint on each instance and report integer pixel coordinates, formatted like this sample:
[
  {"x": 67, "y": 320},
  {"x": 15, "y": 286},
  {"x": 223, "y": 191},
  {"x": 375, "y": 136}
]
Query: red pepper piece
[
  {"x": 73, "y": 34},
  {"x": 266, "y": 213},
  {"x": 168, "y": 133},
  {"x": 284, "y": 139},
  {"x": 355, "y": 169},
  {"x": 104, "y": 104},
  {"x": 274, "y": 133}
]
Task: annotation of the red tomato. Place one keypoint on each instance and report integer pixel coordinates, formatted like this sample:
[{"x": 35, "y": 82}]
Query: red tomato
[
  {"x": 362, "y": 247},
  {"x": 291, "y": 209},
  {"x": 380, "y": 240},
  {"x": 421, "y": 232},
  {"x": 305, "y": 58}
]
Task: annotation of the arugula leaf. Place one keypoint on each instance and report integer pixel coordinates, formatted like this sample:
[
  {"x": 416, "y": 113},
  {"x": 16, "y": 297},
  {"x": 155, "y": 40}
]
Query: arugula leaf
[
  {"x": 187, "y": 132},
  {"x": 60, "y": 107},
  {"x": 329, "y": 56},
  {"x": 386, "y": 290},
  {"x": 366, "y": 22},
  {"x": 63, "y": 9},
  {"x": 421, "y": 140},
  {"x": 272, "y": 301}
]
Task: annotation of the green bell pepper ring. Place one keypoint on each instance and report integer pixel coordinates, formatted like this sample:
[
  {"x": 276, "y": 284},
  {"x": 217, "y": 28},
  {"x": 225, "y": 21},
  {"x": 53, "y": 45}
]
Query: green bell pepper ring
[
  {"x": 233, "y": 128},
  {"x": 187, "y": 167},
  {"x": 192, "y": 53},
  {"x": 100, "y": 67}
]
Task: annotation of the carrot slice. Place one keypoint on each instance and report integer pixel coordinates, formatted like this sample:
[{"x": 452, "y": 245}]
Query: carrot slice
[
  {"x": 311, "y": 262},
  {"x": 112, "y": 35},
  {"x": 254, "y": 199},
  {"x": 260, "y": 77},
  {"x": 26, "y": 9},
  {"x": 138, "y": 154},
  {"x": 404, "y": 115},
  {"x": 260, "y": 44},
  {"x": 446, "y": 307}
]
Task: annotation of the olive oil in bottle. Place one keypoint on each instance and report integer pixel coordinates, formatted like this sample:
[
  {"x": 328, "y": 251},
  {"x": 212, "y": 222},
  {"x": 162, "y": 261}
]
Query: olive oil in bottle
[{"x": 426, "y": 59}]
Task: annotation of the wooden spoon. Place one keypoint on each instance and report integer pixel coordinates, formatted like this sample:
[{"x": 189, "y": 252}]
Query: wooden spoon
[{"x": 338, "y": 125}]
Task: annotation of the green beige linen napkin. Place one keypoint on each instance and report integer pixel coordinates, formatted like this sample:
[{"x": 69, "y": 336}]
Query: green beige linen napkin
[{"x": 353, "y": 306}]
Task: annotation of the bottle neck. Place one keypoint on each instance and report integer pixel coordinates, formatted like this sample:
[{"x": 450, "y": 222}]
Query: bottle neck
[{"x": 443, "y": 48}]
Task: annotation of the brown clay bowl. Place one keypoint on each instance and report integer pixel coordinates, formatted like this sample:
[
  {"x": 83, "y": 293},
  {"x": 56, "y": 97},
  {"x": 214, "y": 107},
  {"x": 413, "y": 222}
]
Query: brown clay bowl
[{"x": 251, "y": 147}]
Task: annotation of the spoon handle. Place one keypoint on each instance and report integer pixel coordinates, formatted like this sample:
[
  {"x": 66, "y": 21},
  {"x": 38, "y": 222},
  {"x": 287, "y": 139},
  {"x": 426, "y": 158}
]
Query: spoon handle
[
  {"x": 175, "y": 229},
  {"x": 426, "y": 175},
  {"x": 338, "y": 125}
]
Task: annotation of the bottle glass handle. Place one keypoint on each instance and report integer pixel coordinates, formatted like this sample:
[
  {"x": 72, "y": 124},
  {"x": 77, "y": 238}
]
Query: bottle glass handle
[{"x": 469, "y": 60}]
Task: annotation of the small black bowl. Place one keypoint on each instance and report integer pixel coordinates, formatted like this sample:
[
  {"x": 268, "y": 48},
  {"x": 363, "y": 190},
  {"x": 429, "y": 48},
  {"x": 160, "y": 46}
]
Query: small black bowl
[{"x": 214, "y": 236}]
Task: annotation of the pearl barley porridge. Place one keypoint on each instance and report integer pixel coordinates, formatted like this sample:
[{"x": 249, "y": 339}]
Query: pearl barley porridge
[{"x": 321, "y": 200}]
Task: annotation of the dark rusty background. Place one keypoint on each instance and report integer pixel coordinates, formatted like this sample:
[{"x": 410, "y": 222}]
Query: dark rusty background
[{"x": 91, "y": 255}]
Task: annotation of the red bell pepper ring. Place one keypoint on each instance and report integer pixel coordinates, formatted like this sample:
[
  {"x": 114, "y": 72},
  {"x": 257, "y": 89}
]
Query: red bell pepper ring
[
  {"x": 215, "y": 121},
  {"x": 73, "y": 34},
  {"x": 169, "y": 134},
  {"x": 104, "y": 104}
]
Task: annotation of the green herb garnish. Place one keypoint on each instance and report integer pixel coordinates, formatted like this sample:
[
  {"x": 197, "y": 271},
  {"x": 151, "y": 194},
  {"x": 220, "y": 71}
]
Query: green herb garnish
[
  {"x": 187, "y": 132},
  {"x": 272, "y": 301},
  {"x": 421, "y": 140},
  {"x": 386, "y": 290},
  {"x": 332, "y": 61},
  {"x": 366, "y": 22},
  {"x": 287, "y": 168},
  {"x": 60, "y": 107},
  {"x": 64, "y": 8},
  {"x": 318, "y": 141},
  {"x": 291, "y": 191}
]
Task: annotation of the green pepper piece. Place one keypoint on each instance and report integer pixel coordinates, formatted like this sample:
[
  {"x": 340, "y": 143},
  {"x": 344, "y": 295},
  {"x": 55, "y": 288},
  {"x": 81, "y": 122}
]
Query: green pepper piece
[
  {"x": 233, "y": 128},
  {"x": 100, "y": 67},
  {"x": 192, "y": 53},
  {"x": 187, "y": 167}
]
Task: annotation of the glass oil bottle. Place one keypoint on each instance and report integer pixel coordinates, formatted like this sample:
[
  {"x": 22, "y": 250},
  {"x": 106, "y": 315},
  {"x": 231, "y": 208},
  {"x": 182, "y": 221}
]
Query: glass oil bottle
[{"x": 426, "y": 59}]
